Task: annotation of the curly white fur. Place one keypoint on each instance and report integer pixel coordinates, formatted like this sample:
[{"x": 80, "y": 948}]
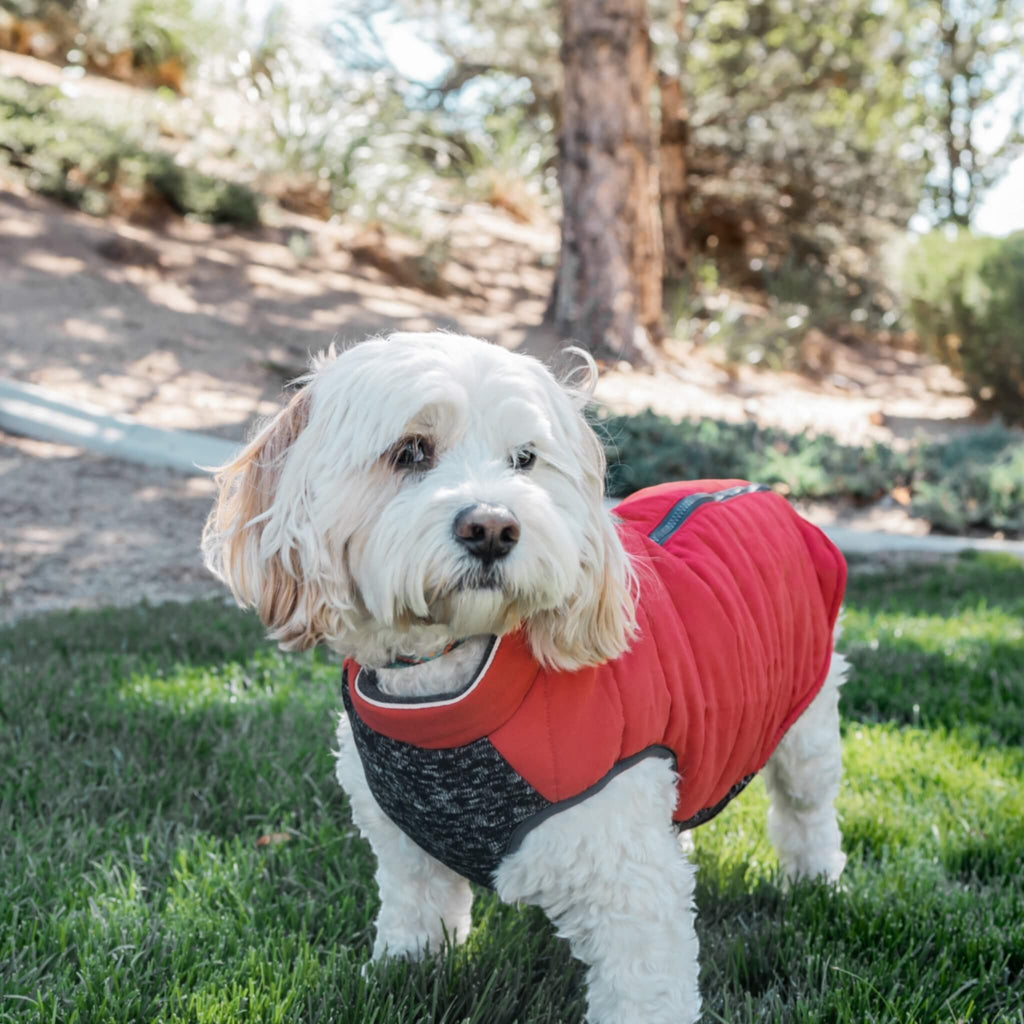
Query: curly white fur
[
  {"x": 610, "y": 875},
  {"x": 332, "y": 540}
]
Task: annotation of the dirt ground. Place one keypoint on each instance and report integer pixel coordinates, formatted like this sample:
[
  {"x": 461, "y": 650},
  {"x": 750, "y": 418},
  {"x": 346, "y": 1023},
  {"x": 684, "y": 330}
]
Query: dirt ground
[
  {"x": 190, "y": 327},
  {"x": 81, "y": 531},
  {"x": 197, "y": 327}
]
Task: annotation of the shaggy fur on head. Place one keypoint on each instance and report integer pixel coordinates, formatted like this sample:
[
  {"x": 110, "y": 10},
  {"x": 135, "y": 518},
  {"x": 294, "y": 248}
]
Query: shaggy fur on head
[{"x": 324, "y": 530}]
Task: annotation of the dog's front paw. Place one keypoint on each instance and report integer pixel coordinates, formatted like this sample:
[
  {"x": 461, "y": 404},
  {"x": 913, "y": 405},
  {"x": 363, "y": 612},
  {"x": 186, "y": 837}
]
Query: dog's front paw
[
  {"x": 381, "y": 959},
  {"x": 814, "y": 866},
  {"x": 409, "y": 944},
  {"x": 402, "y": 947}
]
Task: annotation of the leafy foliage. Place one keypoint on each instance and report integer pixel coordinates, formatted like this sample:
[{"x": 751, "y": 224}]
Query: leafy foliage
[
  {"x": 149, "y": 33},
  {"x": 345, "y": 132},
  {"x": 91, "y": 165},
  {"x": 809, "y": 129},
  {"x": 976, "y": 481},
  {"x": 796, "y": 120},
  {"x": 966, "y": 295},
  {"x": 648, "y": 449},
  {"x": 969, "y": 77}
]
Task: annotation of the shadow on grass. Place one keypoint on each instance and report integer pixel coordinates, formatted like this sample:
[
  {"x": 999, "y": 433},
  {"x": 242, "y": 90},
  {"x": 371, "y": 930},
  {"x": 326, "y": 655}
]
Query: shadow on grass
[
  {"x": 979, "y": 688},
  {"x": 178, "y": 713},
  {"x": 199, "y": 633},
  {"x": 939, "y": 646}
]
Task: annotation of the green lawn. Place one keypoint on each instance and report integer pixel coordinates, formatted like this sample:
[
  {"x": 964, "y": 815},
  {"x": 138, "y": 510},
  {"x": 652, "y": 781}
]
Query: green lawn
[{"x": 145, "y": 751}]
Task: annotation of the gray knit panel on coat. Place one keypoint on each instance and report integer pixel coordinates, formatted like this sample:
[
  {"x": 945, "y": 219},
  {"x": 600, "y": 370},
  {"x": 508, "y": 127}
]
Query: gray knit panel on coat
[{"x": 461, "y": 804}]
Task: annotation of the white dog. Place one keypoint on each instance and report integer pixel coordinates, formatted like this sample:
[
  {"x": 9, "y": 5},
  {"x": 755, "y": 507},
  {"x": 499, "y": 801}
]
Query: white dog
[{"x": 537, "y": 689}]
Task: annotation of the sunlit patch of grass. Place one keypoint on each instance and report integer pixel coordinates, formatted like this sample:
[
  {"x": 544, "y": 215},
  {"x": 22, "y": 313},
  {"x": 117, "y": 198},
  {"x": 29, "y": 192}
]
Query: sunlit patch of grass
[
  {"x": 927, "y": 924},
  {"x": 940, "y": 645},
  {"x": 144, "y": 753},
  {"x": 936, "y": 793}
]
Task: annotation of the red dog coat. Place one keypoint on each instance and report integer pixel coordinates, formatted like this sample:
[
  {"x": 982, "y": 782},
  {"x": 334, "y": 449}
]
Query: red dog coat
[{"x": 738, "y": 600}]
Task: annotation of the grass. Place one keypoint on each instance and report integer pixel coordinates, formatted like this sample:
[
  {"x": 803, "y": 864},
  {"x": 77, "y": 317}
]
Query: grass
[{"x": 146, "y": 751}]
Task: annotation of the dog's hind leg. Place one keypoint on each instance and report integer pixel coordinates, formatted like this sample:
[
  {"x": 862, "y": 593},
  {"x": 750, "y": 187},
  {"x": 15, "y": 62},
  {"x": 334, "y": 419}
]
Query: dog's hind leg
[
  {"x": 802, "y": 777},
  {"x": 422, "y": 902},
  {"x": 609, "y": 873}
]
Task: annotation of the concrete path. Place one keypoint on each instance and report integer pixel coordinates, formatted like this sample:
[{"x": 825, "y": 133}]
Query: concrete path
[
  {"x": 872, "y": 542},
  {"x": 33, "y": 412}
]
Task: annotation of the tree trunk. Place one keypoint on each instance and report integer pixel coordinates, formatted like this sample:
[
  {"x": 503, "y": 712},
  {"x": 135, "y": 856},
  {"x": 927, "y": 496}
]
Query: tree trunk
[
  {"x": 672, "y": 174},
  {"x": 672, "y": 157},
  {"x": 608, "y": 288}
]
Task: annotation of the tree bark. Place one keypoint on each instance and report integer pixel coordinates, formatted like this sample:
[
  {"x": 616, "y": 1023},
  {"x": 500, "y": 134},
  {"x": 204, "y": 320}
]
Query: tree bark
[
  {"x": 672, "y": 174},
  {"x": 608, "y": 287},
  {"x": 672, "y": 157}
]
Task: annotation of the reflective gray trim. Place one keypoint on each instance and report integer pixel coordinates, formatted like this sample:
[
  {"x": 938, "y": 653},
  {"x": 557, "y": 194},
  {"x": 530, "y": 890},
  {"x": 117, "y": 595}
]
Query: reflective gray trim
[
  {"x": 682, "y": 509},
  {"x": 701, "y": 817},
  {"x": 709, "y": 812},
  {"x": 366, "y": 684}
]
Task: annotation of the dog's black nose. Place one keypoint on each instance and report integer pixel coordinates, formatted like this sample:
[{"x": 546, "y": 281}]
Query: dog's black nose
[{"x": 488, "y": 531}]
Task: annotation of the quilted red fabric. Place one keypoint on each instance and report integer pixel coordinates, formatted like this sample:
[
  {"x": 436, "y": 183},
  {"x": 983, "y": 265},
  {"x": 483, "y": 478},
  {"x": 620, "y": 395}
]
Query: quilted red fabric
[{"x": 738, "y": 599}]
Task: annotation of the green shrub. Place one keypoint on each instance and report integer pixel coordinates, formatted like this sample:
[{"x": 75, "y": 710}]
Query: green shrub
[
  {"x": 84, "y": 162},
  {"x": 203, "y": 196},
  {"x": 151, "y": 31},
  {"x": 972, "y": 482},
  {"x": 966, "y": 296},
  {"x": 648, "y": 449}
]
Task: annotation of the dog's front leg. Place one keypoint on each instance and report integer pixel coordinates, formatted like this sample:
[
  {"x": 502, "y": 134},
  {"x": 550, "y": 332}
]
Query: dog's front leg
[
  {"x": 421, "y": 901},
  {"x": 609, "y": 872}
]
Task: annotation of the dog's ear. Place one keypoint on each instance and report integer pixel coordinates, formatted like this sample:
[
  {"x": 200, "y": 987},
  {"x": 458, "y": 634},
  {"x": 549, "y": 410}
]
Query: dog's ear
[
  {"x": 259, "y": 575},
  {"x": 599, "y": 620}
]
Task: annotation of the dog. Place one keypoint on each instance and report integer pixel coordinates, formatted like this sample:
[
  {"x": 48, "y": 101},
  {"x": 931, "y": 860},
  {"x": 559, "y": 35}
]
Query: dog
[{"x": 537, "y": 692}]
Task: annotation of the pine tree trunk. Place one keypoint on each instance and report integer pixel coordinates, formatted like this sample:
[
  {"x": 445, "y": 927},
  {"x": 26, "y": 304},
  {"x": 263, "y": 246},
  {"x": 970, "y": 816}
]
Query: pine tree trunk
[
  {"x": 673, "y": 150},
  {"x": 672, "y": 176},
  {"x": 608, "y": 288}
]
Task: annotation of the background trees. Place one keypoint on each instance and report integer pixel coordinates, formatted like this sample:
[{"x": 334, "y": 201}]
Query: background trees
[
  {"x": 970, "y": 80},
  {"x": 794, "y": 136},
  {"x": 780, "y": 143}
]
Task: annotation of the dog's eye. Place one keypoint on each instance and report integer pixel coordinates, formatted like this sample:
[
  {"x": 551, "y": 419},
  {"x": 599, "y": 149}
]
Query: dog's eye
[
  {"x": 523, "y": 458},
  {"x": 412, "y": 453}
]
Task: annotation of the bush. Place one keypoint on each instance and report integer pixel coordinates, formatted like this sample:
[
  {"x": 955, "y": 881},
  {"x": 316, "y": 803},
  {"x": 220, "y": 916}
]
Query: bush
[
  {"x": 201, "y": 195},
  {"x": 152, "y": 41},
  {"x": 972, "y": 482},
  {"x": 88, "y": 164},
  {"x": 966, "y": 296},
  {"x": 648, "y": 449}
]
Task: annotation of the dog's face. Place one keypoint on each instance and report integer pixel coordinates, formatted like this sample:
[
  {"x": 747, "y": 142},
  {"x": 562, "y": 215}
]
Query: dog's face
[{"x": 419, "y": 489}]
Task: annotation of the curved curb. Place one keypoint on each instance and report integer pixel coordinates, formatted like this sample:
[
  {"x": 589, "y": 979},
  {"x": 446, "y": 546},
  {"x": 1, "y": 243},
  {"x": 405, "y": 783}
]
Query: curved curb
[
  {"x": 872, "y": 542},
  {"x": 35, "y": 412}
]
